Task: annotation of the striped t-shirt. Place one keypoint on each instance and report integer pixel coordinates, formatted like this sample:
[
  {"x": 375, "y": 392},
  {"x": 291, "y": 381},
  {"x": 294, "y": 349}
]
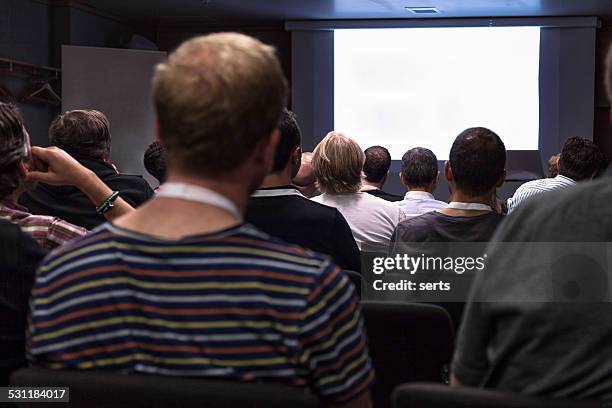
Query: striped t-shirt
[
  {"x": 537, "y": 187},
  {"x": 236, "y": 304}
]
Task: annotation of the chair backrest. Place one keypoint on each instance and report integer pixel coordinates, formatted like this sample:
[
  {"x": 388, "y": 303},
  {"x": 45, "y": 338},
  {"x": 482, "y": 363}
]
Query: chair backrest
[
  {"x": 408, "y": 342},
  {"x": 355, "y": 277},
  {"x": 96, "y": 389},
  {"x": 425, "y": 395}
]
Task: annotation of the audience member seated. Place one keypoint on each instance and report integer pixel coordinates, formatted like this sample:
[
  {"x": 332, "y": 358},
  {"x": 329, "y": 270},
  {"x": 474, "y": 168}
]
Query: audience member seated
[
  {"x": 19, "y": 256},
  {"x": 376, "y": 171},
  {"x": 580, "y": 160},
  {"x": 420, "y": 176},
  {"x": 476, "y": 167},
  {"x": 281, "y": 210},
  {"x": 338, "y": 165},
  {"x": 181, "y": 286},
  {"x": 540, "y": 341},
  {"x": 85, "y": 135},
  {"x": 305, "y": 179},
  {"x": 155, "y": 161},
  {"x": 22, "y": 165},
  {"x": 553, "y": 166}
]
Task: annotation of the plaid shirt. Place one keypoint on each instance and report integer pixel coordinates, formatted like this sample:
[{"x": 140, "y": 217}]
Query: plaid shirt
[{"x": 49, "y": 232}]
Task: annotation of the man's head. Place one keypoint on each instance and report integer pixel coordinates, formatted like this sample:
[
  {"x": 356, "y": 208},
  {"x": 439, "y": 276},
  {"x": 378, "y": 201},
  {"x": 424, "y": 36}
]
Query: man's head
[
  {"x": 218, "y": 100},
  {"x": 580, "y": 159},
  {"x": 420, "y": 170},
  {"x": 376, "y": 165},
  {"x": 84, "y": 134},
  {"x": 14, "y": 150},
  {"x": 477, "y": 162},
  {"x": 305, "y": 179},
  {"x": 338, "y": 164},
  {"x": 155, "y": 161},
  {"x": 287, "y": 154},
  {"x": 553, "y": 165}
]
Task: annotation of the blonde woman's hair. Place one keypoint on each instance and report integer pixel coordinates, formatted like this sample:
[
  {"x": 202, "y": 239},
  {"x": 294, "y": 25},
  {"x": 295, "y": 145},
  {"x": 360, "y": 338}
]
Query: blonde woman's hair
[{"x": 338, "y": 164}]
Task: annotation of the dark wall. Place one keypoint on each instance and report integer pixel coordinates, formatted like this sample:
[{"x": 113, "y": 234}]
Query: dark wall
[{"x": 34, "y": 30}]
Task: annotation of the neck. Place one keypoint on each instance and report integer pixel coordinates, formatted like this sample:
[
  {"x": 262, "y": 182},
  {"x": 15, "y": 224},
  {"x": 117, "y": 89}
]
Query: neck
[
  {"x": 236, "y": 193},
  {"x": 281, "y": 178},
  {"x": 365, "y": 182},
  {"x": 14, "y": 197},
  {"x": 422, "y": 189},
  {"x": 460, "y": 197}
]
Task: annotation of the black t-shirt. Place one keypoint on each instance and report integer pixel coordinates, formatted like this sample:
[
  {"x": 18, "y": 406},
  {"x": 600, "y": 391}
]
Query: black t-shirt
[
  {"x": 437, "y": 227},
  {"x": 19, "y": 257},
  {"x": 539, "y": 320},
  {"x": 284, "y": 213},
  {"x": 384, "y": 195},
  {"x": 70, "y": 204}
]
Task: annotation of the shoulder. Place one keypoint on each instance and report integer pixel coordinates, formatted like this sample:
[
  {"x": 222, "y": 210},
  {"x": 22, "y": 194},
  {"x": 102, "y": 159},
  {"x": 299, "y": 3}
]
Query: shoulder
[
  {"x": 415, "y": 227},
  {"x": 580, "y": 210}
]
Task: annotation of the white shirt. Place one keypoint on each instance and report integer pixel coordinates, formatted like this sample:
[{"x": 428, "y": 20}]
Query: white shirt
[
  {"x": 417, "y": 203},
  {"x": 535, "y": 187},
  {"x": 372, "y": 219}
]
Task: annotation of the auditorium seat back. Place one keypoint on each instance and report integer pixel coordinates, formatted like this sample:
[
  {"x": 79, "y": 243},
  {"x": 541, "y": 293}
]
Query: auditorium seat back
[
  {"x": 408, "y": 342},
  {"x": 423, "y": 395},
  {"x": 97, "y": 389}
]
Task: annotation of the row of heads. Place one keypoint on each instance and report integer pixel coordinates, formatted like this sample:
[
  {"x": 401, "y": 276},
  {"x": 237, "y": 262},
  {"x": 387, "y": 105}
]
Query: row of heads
[{"x": 477, "y": 160}]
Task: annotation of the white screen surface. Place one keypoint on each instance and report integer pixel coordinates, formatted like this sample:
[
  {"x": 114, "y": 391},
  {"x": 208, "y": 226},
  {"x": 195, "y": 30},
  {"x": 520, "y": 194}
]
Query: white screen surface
[{"x": 408, "y": 87}]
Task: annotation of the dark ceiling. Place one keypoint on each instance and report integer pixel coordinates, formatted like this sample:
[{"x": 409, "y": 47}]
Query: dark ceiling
[{"x": 280, "y": 10}]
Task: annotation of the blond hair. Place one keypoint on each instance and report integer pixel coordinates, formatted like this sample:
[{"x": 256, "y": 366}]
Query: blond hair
[
  {"x": 338, "y": 164},
  {"x": 216, "y": 97}
]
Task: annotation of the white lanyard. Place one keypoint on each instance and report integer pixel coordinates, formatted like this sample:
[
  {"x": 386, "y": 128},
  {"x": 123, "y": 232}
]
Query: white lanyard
[
  {"x": 191, "y": 192},
  {"x": 276, "y": 192},
  {"x": 454, "y": 205}
]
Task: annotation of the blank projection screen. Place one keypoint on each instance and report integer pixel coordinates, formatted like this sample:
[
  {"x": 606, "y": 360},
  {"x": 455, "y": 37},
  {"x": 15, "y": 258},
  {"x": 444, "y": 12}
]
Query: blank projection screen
[{"x": 408, "y": 87}]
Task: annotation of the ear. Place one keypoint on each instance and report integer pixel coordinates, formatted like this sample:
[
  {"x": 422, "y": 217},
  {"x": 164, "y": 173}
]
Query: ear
[
  {"x": 501, "y": 180},
  {"x": 436, "y": 180},
  {"x": 264, "y": 150},
  {"x": 295, "y": 161},
  {"x": 401, "y": 177},
  {"x": 448, "y": 172}
]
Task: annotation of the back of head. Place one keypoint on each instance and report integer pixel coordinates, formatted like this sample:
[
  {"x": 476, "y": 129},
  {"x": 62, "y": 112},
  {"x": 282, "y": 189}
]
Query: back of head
[
  {"x": 477, "y": 160},
  {"x": 82, "y": 133},
  {"x": 377, "y": 164},
  {"x": 338, "y": 163},
  {"x": 290, "y": 139},
  {"x": 217, "y": 96},
  {"x": 553, "y": 166},
  {"x": 580, "y": 159},
  {"x": 305, "y": 175},
  {"x": 155, "y": 161},
  {"x": 419, "y": 167},
  {"x": 13, "y": 149}
]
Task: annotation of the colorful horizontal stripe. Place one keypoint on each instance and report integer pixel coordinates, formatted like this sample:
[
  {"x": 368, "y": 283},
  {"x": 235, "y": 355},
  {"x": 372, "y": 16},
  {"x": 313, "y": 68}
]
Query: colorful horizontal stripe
[{"x": 235, "y": 305}]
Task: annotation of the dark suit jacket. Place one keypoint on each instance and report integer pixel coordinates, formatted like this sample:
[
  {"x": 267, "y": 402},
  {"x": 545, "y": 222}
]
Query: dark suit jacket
[
  {"x": 298, "y": 220},
  {"x": 384, "y": 195},
  {"x": 70, "y": 204}
]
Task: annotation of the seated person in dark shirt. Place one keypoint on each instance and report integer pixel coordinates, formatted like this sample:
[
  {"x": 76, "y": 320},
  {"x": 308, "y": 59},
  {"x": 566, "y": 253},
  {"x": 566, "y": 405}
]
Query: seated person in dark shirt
[
  {"x": 155, "y": 161},
  {"x": 376, "y": 170},
  {"x": 281, "y": 210},
  {"x": 476, "y": 167},
  {"x": 19, "y": 256},
  {"x": 85, "y": 135},
  {"x": 551, "y": 334}
]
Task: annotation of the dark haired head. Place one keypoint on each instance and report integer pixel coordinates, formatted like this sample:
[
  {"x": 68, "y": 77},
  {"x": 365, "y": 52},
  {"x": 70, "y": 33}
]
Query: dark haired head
[
  {"x": 377, "y": 163},
  {"x": 155, "y": 161},
  {"x": 419, "y": 168},
  {"x": 13, "y": 149},
  {"x": 82, "y": 133},
  {"x": 581, "y": 159},
  {"x": 477, "y": 160},
  {"x": 290, "y": 139}
]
